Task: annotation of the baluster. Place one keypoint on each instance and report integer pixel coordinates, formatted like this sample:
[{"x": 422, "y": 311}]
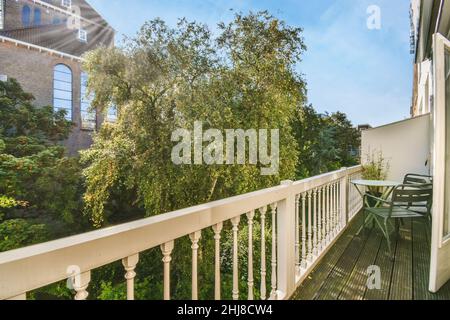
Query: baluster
[
  {"x": 310, "y": 226},
  {"x": 304, "y": 254},
  {"x": 263, "y": 252},
  {"x": 338, "y": 208},
  {"x": 129, "y": 264},
  {"x": 195, "y": 238},
  {"x": 80, "y": 285},
  {"x": 166, "y": 250},
  {"x": 297, "y": 234},
  {"x": 328, "y": 214},
  {"x": 235, "y": 223},
  {"x": 273, "y": 294},
  {"x": 324, "y": 217},
  {"x": 333, "y": 213},
  {"x": 250, "y": 217},
  {"x": 217, "y": 236},
  {"x": 319, "y": 220},
  {"x": 314, "y": 221}
]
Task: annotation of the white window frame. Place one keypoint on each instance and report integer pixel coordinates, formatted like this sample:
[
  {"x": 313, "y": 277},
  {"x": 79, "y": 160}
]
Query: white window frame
[
  {"x": 2, "y": 14},
  {"x": 111, "y": 114},
  {"x": 66, "y": 3},
  {"x": 82, "y": 35},
  {"x": 88, "y": 117}
]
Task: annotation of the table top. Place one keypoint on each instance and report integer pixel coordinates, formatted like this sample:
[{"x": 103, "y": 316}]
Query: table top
[{"x": 376, "y": 183}]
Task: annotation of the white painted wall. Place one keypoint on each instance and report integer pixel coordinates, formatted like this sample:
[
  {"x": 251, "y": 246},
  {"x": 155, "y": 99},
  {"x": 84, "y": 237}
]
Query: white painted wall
[
  {"x": 425, "y": 88},
  {"x": 405, "y": 144}
]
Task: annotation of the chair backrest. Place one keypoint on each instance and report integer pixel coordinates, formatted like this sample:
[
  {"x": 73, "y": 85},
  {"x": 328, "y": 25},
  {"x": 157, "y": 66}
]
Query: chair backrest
[
  {"x": 412, "y": 178},
  {"x": 413, "y": 196}
]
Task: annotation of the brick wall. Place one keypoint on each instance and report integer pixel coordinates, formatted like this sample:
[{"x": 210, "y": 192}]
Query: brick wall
[{"x": 34, "y": 71}]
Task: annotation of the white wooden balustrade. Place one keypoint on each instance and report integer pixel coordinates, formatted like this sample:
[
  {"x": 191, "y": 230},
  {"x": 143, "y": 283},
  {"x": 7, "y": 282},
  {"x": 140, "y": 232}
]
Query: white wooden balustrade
[{"x": 299, "y": 222}]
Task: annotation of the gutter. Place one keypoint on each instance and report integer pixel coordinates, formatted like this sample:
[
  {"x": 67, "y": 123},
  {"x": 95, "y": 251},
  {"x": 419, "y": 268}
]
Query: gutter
[{"x": 40, "y": 49}]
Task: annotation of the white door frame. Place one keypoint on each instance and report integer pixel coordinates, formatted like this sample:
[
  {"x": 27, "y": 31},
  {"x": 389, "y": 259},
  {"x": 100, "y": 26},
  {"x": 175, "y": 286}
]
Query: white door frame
[{"x": 440, "y": 245}]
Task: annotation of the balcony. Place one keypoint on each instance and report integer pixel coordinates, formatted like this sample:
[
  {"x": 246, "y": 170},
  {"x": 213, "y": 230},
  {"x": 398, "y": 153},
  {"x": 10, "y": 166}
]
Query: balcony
[
  {"x": 342, "y": 273},
  {"x": 308, "y": 243},
  {"x": 299, "y": 222}
]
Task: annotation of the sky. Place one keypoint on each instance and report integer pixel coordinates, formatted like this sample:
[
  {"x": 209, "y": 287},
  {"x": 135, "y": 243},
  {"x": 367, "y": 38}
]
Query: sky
[{"x": 365, "y": 73}]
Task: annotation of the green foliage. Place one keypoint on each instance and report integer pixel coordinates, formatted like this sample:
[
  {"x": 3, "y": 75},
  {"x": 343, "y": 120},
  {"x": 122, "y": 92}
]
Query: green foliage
[
  {"x": 33, "y": 166},
  {"x": 166, "y": 79},
  {"x": 15, "y": 233},
  {"x": 326, "y": 142},
  {"x": 376, "y": 167},
  {"x": 37, "y": 180}
]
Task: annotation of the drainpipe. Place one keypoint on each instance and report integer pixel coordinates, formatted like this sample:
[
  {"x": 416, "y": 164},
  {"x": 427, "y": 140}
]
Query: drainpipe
[{"x": 441, "y": 7}]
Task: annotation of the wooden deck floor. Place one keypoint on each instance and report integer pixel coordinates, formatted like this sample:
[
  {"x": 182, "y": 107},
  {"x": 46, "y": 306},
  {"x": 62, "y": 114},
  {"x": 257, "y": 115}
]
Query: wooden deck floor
[{"x": 342, "y": 273}]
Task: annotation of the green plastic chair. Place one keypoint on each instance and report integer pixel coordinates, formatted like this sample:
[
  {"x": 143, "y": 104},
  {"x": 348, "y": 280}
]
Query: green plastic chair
[
  {"x": 408, "y": 201},
  {"x": 413, "y": 178}
]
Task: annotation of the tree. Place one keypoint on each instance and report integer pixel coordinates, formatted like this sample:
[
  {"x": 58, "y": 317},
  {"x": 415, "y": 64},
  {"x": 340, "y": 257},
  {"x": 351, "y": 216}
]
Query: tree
[
  {"x": 326, "y": 142},
  {"x": 34, "y": 172},
  {"x": 168, "y": 78}
]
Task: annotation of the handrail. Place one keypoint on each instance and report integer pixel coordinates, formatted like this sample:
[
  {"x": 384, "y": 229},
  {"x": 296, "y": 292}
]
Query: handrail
[{"x": 33, "y": 267}]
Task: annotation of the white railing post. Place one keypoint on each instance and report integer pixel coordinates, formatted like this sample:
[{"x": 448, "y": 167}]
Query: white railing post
[
  {"x": 129, "y": 263},
  {"x": 251, "y": 281},
  {"x": 195, "y": 238},
  {"x": 274, "y": 293},
  {"x": 344, "y": 200},
  {"x": 217, "y": 288},
  {"x": 80, "y": 285},
  {"x": 235, "y": 222},
  {"x": 263, "y": 290},
  {"x": 166, "y": 250},
  {"x": 286, "y": 245}
]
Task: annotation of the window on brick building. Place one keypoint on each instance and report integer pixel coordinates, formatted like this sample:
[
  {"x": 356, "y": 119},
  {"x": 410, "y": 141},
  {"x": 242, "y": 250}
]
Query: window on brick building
[
  {"x": 66, "y": 3},
  {"x": 2, "y": 14},
  {"x": 26, "y": 16},
  {"x": 62, "y": 89},
  {"x": 37, "y": 17},
  {"x": 111, "y": 116},
  {"x": 88, "y": 117},
  {"x": 82, "y": 35}
]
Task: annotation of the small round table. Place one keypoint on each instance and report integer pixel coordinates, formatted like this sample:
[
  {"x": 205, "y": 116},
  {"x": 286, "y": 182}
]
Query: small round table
[{"x": 387, "y": 186}]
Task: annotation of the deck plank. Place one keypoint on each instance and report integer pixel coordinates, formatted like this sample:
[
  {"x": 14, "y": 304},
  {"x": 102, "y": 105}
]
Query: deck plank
[
  {"x": 342, "y": 272},
  {"x": 309, "y": 288},
  {"x": 356, "y": 285},
  {"x": 343, "y": 268},
  {"x": 421, "y": 262},
  {"x": 386, "y": 266},
  {"x": 402, "y": 276}
]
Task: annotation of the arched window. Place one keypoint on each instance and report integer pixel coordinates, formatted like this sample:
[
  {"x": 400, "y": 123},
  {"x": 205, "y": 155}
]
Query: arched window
[
  {"x": 62, "y": 89},
  {"x": 26, "y": 16},
  {"x": 88, "y": 117},
  {"x": 37, "y": 17},
  {"x": 111, "y": 116},
  {"x": 2, "y": 14}
]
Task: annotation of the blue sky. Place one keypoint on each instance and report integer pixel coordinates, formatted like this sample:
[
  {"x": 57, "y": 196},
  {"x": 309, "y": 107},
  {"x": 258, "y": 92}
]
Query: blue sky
[{"x": 364, "y": 73}]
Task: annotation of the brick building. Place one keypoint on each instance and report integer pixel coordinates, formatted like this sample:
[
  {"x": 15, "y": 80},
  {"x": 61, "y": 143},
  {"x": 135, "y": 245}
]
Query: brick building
[{"x": 41, "y": 46}]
